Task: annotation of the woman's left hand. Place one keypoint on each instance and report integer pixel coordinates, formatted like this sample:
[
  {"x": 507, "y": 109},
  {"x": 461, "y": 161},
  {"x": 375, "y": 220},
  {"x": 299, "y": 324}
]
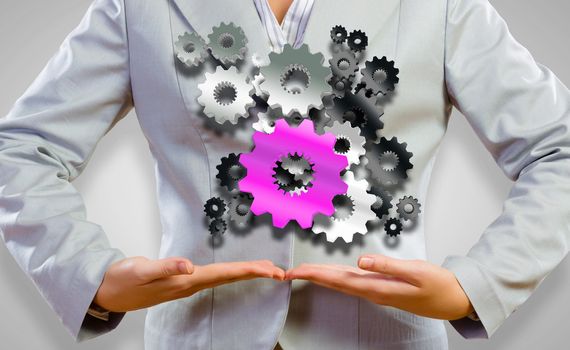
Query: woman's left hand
[{"x": 416, "y": 286}]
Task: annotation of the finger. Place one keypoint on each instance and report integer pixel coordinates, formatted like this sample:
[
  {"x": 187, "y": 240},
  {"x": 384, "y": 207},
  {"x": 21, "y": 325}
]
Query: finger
[
  {"x": 409, "y": 270},
  {"x": 151, "y": 270}
]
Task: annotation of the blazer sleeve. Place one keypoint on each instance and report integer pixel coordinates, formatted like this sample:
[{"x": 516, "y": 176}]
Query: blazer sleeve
[
  {"x": 521, "y": 113},
  {"x": 46, "y": 141}
]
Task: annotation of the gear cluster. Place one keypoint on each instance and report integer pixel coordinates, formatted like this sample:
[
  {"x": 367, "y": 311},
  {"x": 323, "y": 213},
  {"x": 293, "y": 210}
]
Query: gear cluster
[{"x": 319, "y": 156}]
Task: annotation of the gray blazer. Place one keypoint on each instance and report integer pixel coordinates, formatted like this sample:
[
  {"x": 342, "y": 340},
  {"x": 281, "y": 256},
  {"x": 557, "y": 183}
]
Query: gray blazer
[{"x": 449, "y": 52}]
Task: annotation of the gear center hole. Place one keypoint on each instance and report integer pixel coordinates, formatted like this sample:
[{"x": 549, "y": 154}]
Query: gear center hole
[
  {"x": 343, "y": 64},
  {"x": 344, "y": 207},
  {"x": 379, "y": 75},
  {"x": 225, "y": 93},
  {"x": 388, "y": 161},
  {"x": 189, "y": 48},
  {"x": 295, "y": 80},
  {"x": 226, "y": 40},
  {"x": 342, "y": 145},
  {"x": 408, "y": 208}
]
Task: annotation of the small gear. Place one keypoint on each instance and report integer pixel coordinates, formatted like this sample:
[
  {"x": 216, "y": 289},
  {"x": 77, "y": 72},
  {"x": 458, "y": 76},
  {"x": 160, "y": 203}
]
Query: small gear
[
  {"x": 408, "y": 208},
  {"x": 380, "y": 76},
  {"x": 349, "y": 142},
  {"x": 361, "y": 111},
  {"x": 240, "y": 212},
  {"x": 226, "y": 96},
  {"x": 230, "y": 171},
  {"x": 190, "y": 49},
  {"x": 295, "y": 79},
  {"x": 338, "y": 34},
  {"x": 344, "y": 64},
  {"x": 389, "y": 161},
  {"x": 357, "y": 41},
  {"x": 215, "y": 207},
  {"x": 293, "y": 174},
  {"x": 227, "y": 43},
  {"x": 218, "y": 227},
  {"x": 393, "y": 227},
  {"x": 340, "y": 86},
  {"x": 352, "y": 212},
  {"x": 381, "y": 209}
]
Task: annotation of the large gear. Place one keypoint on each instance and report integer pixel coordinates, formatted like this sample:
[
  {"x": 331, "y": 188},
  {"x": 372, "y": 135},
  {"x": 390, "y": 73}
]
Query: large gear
[
  {"x": 240, "y": 212},
  {"x": 191, "y": 49},
  {"x": 389, "y": 161},
  {"x": 354, "y": 219},
  {"x": 380, "y": 76},
  {"x": 393, "y": 227},
  {"x": 218, "y": 226},
  {"x": 230, "y": 171},
  {"x": 344, "y": 64},
  {"x": 226, "y": 96},
  {"x": 381, "y": 209},
  {"x": 357, "y": 40},
  {"x": 408, "y": 208},
  {"x": 295, "y": 79},
  {"x": 360, "y": 110},
  {"x": 215, "y": 207},
  {"x": 349, "y": 142},
  {"x": 227, "y": 43},
  {"x": 338, "y": 34},
  {"x": 285, "y": 140}
]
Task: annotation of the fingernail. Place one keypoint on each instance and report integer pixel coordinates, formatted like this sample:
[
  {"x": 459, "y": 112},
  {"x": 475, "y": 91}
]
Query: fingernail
[
  {"x": 183, "y": 267},
  {"x": 365, "y": 262}
]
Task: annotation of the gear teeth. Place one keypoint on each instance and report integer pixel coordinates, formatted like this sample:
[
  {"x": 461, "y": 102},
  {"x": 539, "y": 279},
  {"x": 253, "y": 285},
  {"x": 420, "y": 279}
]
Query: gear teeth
[
  {"x": 197, "y": 55},
  {"x": 339, "y": 34},
  {"x": 218, "y": 227},
  {"x": 401, "y": 208},
  {"x": 215, "y": 207},
  {"x": 227, "y": 43},
  {"x": 357, "y": 41},
  {"x": 393, "y": 227},
  {"x": 374, "y": 85}
]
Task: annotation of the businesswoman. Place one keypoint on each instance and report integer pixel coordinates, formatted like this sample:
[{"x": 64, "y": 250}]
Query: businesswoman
[{"x": 264, "y": 290}]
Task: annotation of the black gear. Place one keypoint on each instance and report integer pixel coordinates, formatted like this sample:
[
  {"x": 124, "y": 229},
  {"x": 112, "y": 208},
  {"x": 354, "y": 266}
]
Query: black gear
[
  {"x": 230, "y": 171},
  {"x": 218, "y": 227},
  {"x": 401, "y": 208},
  {"x": 338, "y": 34},
  {"x": 360, "y": 111},
  {"x": 340, "y": 86},
  {"x": 385, "y": 198},
  {"x": 215, "y": 207},
  {"x": 380, "y": 84},
  {"x": 389, "y": 148},
  {"x": 240, "y": 206},
  {"x": 393, "y": 227},
  {"x": 357, "y": 41}
]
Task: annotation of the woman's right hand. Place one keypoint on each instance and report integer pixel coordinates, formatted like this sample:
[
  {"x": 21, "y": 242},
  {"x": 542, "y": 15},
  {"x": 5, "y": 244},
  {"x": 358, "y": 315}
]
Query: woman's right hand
[{"x": 138, "y": 282}]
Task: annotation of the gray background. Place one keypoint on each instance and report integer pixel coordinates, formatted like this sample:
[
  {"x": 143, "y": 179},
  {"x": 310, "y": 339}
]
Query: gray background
[{"x": 466, "y": 192}]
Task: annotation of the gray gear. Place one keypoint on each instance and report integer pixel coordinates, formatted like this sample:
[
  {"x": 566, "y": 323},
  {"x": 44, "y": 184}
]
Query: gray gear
[
  {"x": 240, "y": 206},
  {"x": 389, "y": 161},
  {"x": 379, "y": 76},
  {"x": 344, "y": 64},
  {"x": 295, "y": 79},
  {"x": 408, "y": 208},
  {"x": 227, "y": 43},
  {"x": 190, "y": 49},
  {"x": 226, "y": 96},
  {"x": 352, "y": 221},
  {"x": 349, "y": 141},
  {"x": 340, "y": 86}
]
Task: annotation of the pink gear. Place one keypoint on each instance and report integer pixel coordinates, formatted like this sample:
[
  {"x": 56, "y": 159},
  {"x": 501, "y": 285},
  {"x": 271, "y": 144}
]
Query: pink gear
[{"x": 285, "y": 140}]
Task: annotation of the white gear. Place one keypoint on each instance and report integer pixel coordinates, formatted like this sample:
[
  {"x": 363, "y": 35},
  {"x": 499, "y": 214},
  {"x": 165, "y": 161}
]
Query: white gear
[
  {"x": 266, "y": 120},
  {"x": 355, "y": 142},
  {"x": 360, "y": 213},
  {"x": 226, "y": 95}
]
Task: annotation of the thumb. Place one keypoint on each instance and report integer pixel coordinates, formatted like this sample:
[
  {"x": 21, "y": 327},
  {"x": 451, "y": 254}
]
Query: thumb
[
  {"x": 405, "y": 269},
  {"x": 155, "y": 269}
]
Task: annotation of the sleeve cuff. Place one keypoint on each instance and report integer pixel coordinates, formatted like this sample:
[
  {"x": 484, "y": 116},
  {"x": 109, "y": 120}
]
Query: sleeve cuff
[{"x": 480, "y": 292}]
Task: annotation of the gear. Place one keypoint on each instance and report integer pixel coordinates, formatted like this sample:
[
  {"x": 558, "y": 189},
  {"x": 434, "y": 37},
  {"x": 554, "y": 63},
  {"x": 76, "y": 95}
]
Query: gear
[
  {"x": 286, "y": 140},
  {"x": 389, "y": 161},
  {"x": 338, "y": 34},
  {"x": 215, "y": 207},
  {"x": 230, "y": 171},
  {"x": 218, "y": 227},
  {"x": 340, "y": 86},
  {"x": 351, "y": 220},
  {"x": 348, "y": 141},
  {"x": 361, "y": 111},
  {"x": 190, "y": 49},
  {"x": 393, "y": 227},
  {"x": 227, "y": 43},
  {"x": 385, "y": 201},
  {"x": 240, "y": 212},
  {"x": 293, "y": 174},
  {"x": 357, "y": 41},
  {"x": 266, "y": 120},
  {"x": 408, "y": 208},
  {"x": 295, "y": 79},
  {"x": 226, "y": 96},
  {"x": 380, "y": 76},
  {"x": 344, "y": 64}
]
